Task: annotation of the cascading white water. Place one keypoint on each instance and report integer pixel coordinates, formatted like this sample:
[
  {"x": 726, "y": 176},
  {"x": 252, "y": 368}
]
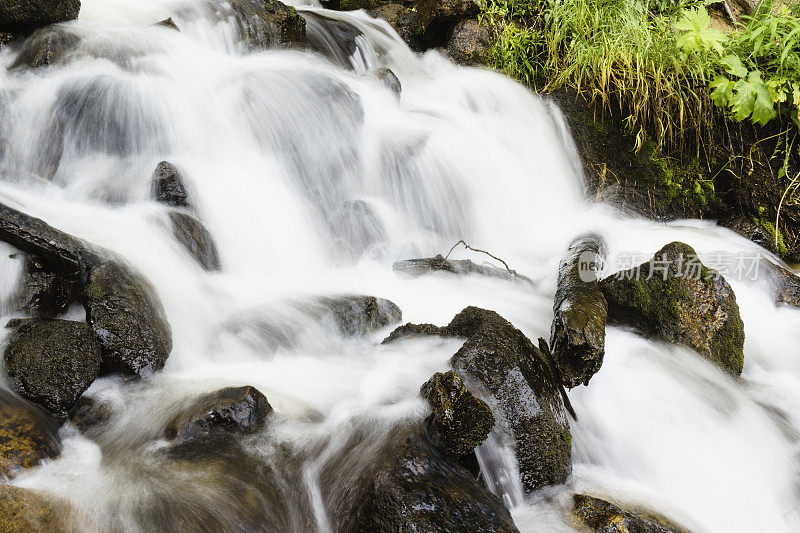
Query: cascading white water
[{"x": 312, "y": 178}]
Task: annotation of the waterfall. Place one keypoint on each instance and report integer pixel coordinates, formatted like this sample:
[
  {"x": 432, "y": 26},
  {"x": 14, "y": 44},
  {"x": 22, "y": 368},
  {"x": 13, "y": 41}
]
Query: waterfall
[{"x": 313, "y": 176}]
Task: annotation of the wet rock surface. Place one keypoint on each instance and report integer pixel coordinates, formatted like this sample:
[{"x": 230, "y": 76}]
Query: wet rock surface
[
  {"x": 44, "y": 293},
  {"x": 269, "y": 23},
  {"x": 469, "y": 43},
  {"x": 419, "y": 489},
  {"x": 460, "y": 422},
  {"x": 417, "y": 267},
  {"x": 360, "y": 315},
  {"x": 675, "y": 298},
  {"x": 27, "y": 434},
  {"x": 196, "y": 239},
  {"x": 52, "y": 362},
  {"x": 594, "y": 514},
  {"x": 405, "y": 21},
  {"x": 28, "y": 511},
  {"x": 168, "y": 187},
  {"x": 233, "y": 409},
  {"x": 785, "y": 284},
  {"x": 26, "y": 15},
  {"x": 578, "y": 332},
  {"x": 504, "y": 369},
  {"x": 439, "y": 16},
  {"x": 127, "y": 317},
  {"x": 46, "y": 47}
]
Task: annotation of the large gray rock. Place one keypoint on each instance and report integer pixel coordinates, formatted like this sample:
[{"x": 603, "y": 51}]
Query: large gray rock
[
  {"x": 419, "y": 489},
  {"x": 269, "y": 24},
  {"x": 44, "y": 293},
  {"x": 27, "y": 434},
  {"x": 196, "y": 239},
  {"x": 675, "y": 298},
  {"x": 168, "y": 187},
  {"x": 461, "y": 267},
  {"x": 46, "y": 47},
  {"x": 25, "y": 15},
  {"x": 52, "y": 362},
  {"x": 578, "y": 332},
  {"x": 126, "y": 315}
]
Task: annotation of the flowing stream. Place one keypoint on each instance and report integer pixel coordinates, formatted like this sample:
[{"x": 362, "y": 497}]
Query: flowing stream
[{"x": 313, "y": 177}]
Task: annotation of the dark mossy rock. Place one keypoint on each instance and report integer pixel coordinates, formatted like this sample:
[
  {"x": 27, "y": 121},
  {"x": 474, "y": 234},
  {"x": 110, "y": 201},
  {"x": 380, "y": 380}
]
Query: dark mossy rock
[
  {"x": 361, "y": 315},
  {"x": 27, "y": 434},
  {"x": 46, "y": 47},
  {"x": 752, "y": 231},
  {"x": 600, "y": 516},
  {"x": 419, "y": 489},
  {"x": 126, "y": 315},
  {"x": 578, "y": 332},
  {"x": 44, "y": 293},
  {"x": 88, "y": 414},
  {"x": 54, "y": 249},
  {"x": 18, "y": 16},
  {"x": 196, "y": 239},
  {"x": 519, "y": 385},
  {"x": 350, "y": 5},
  {"x": 230, "y": 410},
  {"x": 440, "y": 16},
  {"x": 675, "y": 298},
  {"x": 470, "y": 43},
  {"x": 417, "y": 267},
  {"x": 51, "y": 362},
  {"x": 269, "y": 24},
  {"x": 29, "y": 511},
  {"x": 405, "y": 21},
  {"x": 168, "y": 187},
  {"x": 410, "y": 330},
  {"x": 460, "y": 422}
]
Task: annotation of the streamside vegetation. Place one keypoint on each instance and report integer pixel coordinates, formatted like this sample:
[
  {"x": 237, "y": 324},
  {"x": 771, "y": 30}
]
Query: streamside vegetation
[{"x": 710, "y": 97}]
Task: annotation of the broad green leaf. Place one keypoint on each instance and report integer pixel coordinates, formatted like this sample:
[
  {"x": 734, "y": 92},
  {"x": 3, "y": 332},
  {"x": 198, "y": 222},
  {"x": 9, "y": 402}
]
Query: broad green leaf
[
  {"x": 752, "y": 99},
  {"x": 722, "y": 92},
  {"x": 733, "y": 66},
  {"x": 696, "y": 34}
]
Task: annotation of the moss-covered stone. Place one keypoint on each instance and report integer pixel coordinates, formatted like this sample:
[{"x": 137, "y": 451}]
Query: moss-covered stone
[
  {"x": 350, "y": 5},
  {"x": 460, "y": 422},
  {"x": 674, "y": 297},
  {"x": 405, "y": 21},
  {"x": 126, "y": 315},
  {"x": 601, "y": 516},
  {"x": 26, "y": 15},
  {"x": 27, "y": 435},
  {"x": 51, "y": 362},
  {"x": 27, "y": 511},
  {"x": 269, "y": 23}
]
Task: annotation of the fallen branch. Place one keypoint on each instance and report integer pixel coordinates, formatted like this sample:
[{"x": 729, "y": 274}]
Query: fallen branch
[
  {"x": 509, "y": 269},
  {"x": 556, "y": 375}
]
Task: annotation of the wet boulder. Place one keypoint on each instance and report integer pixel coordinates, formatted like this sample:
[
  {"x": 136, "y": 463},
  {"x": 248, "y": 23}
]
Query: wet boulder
[
  {"x": 675, "y": 298},
  {"x": 269, "y": 24},
  {"x": 29, "y": 511},
  {"x": 195, "y": 238},
  {"x": 46, "y": 47},
  {"x": 469, "y": 43},
  {"x": 578, "y": 332},
  {"x": 231, "y": 410},
  {"x": 167, "y": 186},
  {"x": 126, "y": 315},
  {"x": 784, "y": 284},
  {"x": 360, "y": 315},
  {"x": 390, "y": 80},
  {"x": 44, "y": 293},
  {"x": 419, "y": 489},
  {"x": 460, "y": 422},
  {"x": 461, "y": 267},
  {"x": 27, "y": 434},
  {"x": 19, "y": 16},
  {"x": 52, "y": 362},
  {"x": 410, "y": 330},
  {"x": 594, "y": 514},
  {"x": 404, "y": 21},
  {"x": 88, "y": 414},
  {"x": 350, "y": 5},
  {"x": 440, "y": 16}
]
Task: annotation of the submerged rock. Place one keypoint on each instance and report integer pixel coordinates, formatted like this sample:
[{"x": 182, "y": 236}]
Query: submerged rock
[
  {"x": 785, "y": 284},
  {"x": 390, "y": 80},
  {"x": 88, "y": 414},
  {"x": 168, "y": 187},
  {"x": 675, "y": 298},
  {"x": 43, "y": 293},
  {"x": 126, "y": 315},
  {"x": 27, "y": 435},
  {"x": 469, "y": 43},
  {"x": 361, "y": 315},
  {"x": 417, "y": 267},
  {"x": 419, "y": 489},
  {"x": 405, "y": 21},
  {"x": 46, "y": 47},
  {"x": 52, "y": 362},
  {"x": 578, "y": 332},
  {"x": 29, "y": 511},
  {"x": 500, "y": 365},
  {"x": 439, "y": 16},
  {"x": 269, "y": 23},
  {"x": 460, "y": 422},
  {"x": 601, "y": 516},
  {"x": 233, "y": 409},
  {"x": 196, "y": 239},
  {"x": 27, "y": 15},
  {"x": 168, "y": 23}
]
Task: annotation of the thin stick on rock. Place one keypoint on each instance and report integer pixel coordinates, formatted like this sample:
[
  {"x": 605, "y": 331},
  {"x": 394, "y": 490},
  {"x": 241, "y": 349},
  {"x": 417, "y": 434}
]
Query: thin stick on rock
[{"x": 509, "y": 269}]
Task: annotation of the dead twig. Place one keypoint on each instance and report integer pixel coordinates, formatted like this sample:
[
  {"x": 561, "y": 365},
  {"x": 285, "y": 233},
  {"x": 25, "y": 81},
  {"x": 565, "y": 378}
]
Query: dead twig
[
  {"x": 556, "y": 375},
  {"x": 509, "y": 269}
]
